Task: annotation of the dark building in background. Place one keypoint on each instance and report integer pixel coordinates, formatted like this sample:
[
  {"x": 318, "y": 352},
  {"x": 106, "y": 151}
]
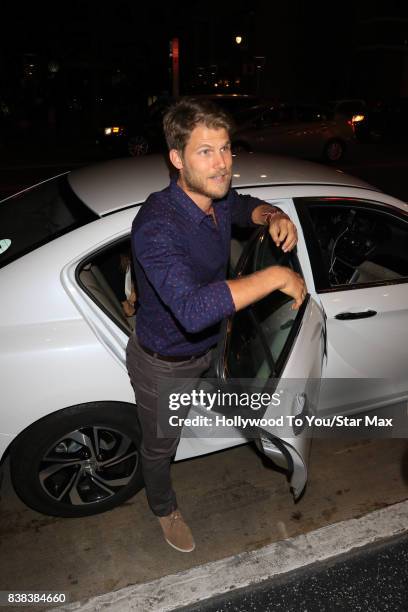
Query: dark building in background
[
  {"x": 299, "y": 50},
  {"x": 64, "y": 68},
  {"x": 382, "y": 48}
]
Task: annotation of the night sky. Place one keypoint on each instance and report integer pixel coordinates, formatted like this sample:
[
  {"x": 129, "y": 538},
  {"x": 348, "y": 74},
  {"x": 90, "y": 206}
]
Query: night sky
[{"x": 308, "y": 50}]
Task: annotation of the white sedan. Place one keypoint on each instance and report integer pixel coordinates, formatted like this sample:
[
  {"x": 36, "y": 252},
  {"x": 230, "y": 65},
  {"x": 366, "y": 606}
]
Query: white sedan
[{"x": 68, "y": 419}]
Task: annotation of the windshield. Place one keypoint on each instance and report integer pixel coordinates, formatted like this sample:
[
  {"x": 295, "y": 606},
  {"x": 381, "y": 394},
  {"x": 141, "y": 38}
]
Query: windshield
[{"x": 37, "y": 216}]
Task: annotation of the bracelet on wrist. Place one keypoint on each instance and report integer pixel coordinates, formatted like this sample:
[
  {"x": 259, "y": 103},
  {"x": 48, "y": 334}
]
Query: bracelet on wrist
[{"x": 271, "y": 213}]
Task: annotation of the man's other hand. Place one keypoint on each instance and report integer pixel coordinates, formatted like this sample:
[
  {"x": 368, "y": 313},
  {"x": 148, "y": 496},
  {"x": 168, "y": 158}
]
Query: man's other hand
[{"x": 294, "y": 286}]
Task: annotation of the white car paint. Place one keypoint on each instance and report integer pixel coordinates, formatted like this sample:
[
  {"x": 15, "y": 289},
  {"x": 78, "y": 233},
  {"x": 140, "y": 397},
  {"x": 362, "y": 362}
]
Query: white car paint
[
  {"x": 304, "y": 366},
  {"x": 59, "y": 349}
]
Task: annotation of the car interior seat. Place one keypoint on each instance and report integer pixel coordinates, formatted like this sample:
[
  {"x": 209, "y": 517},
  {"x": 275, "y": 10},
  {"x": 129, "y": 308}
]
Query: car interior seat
[
  {"x": 370, "y": 272},
  {"x": 96, "y": 284},
  {"x": 235, "y": 252}
]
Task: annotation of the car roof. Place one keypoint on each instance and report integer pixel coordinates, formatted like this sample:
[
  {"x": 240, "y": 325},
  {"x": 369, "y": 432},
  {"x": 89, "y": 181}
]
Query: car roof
[{"x": 120, "y": 183}]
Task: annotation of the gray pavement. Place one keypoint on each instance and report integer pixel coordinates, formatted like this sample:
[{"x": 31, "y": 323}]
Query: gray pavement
[
  {"x": 234, "y": 502},
  {"x": 347, "y": 566}
]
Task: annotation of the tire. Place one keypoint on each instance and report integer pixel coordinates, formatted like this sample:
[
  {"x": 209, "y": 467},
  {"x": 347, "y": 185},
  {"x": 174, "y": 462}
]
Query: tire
[
  {"x": 138, "y": 145},
  {"x": 334, "y": 150},
  {"x": 56, "y": 468}
]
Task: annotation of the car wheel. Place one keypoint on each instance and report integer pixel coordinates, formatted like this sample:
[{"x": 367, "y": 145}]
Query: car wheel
[
  {"x": 138, "y": 145},
  {"x": 79, "y": 461},
  {"x": 334, "y": 150}
]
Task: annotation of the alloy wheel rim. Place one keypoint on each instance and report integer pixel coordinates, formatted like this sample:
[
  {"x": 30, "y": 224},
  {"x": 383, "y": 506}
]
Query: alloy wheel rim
[{"x": 88, "y": 465}]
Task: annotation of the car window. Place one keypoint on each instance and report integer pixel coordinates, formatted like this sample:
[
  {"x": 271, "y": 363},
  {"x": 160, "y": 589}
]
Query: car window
[
  {"x": 37, "y": 216},
  {"x": 103, "y": 277},
  {"x": 274, "y": 312},
  {"x": 357, "y": 243},
  {"x": 311, "y": 114},
  {"x": 259, "y": 334},
  {"x": 275, "y": 115},
  {"x": 248, "y": 356}
]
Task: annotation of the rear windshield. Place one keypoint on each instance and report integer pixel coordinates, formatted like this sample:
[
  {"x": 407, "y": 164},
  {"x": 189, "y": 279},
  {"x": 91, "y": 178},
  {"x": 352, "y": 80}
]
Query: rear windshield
[{"x": 37, "y": 216}]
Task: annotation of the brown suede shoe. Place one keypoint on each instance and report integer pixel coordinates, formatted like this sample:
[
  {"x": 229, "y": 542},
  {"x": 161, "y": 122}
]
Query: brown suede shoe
[{"x": 176, "y": 532}]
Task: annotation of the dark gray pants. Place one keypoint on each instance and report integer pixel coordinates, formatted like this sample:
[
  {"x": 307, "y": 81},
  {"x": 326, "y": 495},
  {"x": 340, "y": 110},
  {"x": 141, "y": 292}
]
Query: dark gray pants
[{"x": 146, "y": 372}]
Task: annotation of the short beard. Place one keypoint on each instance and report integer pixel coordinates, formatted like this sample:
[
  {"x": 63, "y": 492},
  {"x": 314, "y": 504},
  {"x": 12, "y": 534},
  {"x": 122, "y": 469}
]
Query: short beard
[{"x": 197, "y": 187}]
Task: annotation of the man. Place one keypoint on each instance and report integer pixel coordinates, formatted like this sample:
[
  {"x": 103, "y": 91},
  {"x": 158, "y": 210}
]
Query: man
[{"x": 181, "y": 242}]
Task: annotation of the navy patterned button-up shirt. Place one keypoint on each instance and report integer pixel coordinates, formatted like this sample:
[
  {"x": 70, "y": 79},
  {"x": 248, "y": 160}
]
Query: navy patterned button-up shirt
[{"x": 181, "y": 259}]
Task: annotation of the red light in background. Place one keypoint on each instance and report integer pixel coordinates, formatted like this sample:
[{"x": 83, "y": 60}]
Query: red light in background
[
  {"x": 175, "y": 49},
  {"x": 174, "y": 46}
]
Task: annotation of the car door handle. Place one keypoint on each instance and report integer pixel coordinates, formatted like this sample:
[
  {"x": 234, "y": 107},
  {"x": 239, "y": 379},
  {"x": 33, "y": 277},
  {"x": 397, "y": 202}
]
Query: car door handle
[{"x": 348, "y": 316}]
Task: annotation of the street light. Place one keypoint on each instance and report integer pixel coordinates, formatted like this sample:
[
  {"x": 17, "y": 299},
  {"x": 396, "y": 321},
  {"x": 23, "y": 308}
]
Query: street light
[{"x": 238, "y": 40}]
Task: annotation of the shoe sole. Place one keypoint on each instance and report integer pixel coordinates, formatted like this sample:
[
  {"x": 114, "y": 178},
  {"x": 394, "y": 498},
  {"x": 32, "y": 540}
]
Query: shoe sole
[{"x": 185, "y": 550}]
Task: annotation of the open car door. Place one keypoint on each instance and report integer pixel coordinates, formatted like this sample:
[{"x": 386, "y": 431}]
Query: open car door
[
  {"x": 358, "y": 253},
  {"x": 269, "y": 345}
]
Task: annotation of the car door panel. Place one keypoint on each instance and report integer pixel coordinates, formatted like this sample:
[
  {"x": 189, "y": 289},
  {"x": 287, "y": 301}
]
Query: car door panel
[
  {"x": 365, "y": 299},
  {"x": 372, "y": 353},
  {"x": 299, "y": 385},
  {"x": 279, "y": 349}
]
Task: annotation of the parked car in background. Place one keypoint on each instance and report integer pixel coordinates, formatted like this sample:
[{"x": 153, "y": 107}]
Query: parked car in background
[
  {"x": 302, "y": 130},
  {"x": 365, "y": 119},
  {"x": 137, "y": 133},
  {"x": 68, "y": 420},
  {"x": 120, "y": 127},
  {"x": 348, "y": 107}
]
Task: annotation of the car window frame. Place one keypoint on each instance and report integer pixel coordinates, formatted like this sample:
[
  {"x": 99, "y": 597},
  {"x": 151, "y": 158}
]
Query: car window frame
[
  {"x": 224, "y": 344},
  {"x": 90, "y": 257},
  {"x": 319, "y": 273}
]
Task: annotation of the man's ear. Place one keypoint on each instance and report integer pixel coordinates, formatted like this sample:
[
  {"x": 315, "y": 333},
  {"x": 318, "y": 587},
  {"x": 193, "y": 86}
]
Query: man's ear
[{"x": 175, "y": 159}]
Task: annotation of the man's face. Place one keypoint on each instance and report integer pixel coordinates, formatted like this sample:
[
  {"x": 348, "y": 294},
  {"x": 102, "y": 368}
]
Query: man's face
[{"x": 206, "y": 168}]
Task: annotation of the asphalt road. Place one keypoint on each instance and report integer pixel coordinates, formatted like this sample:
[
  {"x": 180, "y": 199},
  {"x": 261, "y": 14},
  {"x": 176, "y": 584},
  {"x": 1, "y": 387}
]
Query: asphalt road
[{"x": 374, "y": 579}]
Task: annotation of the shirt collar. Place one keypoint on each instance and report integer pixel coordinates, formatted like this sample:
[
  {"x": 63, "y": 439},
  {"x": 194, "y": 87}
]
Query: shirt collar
[{"x": 185, "y": 203}]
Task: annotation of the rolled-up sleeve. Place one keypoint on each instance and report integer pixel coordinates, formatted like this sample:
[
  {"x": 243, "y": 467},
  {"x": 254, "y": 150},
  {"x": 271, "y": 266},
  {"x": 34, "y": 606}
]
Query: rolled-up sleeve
[{"x": 167, "y": 267}]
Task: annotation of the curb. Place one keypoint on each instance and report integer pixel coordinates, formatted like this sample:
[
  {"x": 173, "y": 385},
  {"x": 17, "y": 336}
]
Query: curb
[{"x": 249, "y": 568}]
